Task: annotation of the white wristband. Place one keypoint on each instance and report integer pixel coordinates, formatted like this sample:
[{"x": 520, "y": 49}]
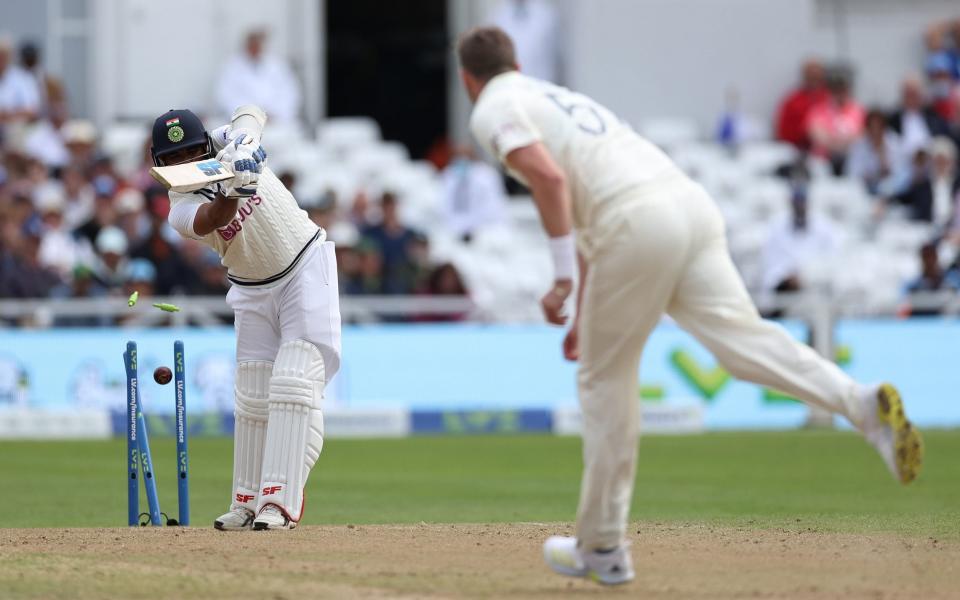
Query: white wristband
[{"x": 563, "y": 251}]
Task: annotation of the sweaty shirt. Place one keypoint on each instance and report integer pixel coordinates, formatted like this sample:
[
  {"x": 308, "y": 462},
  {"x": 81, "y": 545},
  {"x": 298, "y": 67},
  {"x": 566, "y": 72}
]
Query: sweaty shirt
[
  {"x": 266, "y": 239},
  {"x": 601, "y": 155}
]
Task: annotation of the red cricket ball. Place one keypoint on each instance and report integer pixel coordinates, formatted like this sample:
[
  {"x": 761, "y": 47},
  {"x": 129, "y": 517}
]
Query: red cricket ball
[{"x": 163, "y": 375}]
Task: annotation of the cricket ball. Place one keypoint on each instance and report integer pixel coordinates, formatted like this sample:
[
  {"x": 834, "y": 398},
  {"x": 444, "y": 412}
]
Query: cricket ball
[{"x": 163, "y": 375}]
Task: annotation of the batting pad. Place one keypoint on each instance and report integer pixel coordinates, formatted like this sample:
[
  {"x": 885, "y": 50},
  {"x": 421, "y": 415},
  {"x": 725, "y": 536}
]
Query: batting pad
[
  {"x": 295, "y": 426},
  {"x": 252, "y": 387}
]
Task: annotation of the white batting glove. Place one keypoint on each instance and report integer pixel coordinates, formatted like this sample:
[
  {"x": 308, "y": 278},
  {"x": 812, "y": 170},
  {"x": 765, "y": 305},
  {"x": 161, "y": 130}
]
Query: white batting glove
[
  {"x": 244, "y": 182},
  {"x": 244, "y": 147}
]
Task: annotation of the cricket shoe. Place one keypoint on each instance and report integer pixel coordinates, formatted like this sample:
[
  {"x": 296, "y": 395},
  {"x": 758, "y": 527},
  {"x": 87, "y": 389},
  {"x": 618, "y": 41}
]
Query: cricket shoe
[
  {"x": 610, "y": 568},
  {"x": 236, "y": 519},
  {"x": 271, "y": 517},
  {"x": 887, "y": 429}
]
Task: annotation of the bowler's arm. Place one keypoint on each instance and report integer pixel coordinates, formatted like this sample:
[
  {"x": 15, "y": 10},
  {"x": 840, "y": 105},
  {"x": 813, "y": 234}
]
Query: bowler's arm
[{"x": 551, "y": 195}]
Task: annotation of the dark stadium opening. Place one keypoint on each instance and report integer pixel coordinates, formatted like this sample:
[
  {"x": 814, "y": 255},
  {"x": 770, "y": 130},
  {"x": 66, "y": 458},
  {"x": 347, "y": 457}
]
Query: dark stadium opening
[{"x": 388, "y": 60}]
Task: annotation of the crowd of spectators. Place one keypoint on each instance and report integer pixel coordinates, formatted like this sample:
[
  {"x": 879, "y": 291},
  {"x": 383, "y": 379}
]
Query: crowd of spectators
[
  {"x": 905, "y": 155},
  {"x": 72, "y": 226}
]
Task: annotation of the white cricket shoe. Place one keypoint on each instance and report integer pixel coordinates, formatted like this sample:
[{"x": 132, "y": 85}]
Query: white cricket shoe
[
  {"x": 271, "y": 517},
  {"x": 887, "y": 429},
  {"x": 611, "y": 568},
  {"x": 236, "y": 519}
]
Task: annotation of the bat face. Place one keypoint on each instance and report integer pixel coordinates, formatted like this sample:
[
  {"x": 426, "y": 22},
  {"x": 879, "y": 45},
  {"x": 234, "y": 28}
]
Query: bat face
[{"x": 192, "y": 176}]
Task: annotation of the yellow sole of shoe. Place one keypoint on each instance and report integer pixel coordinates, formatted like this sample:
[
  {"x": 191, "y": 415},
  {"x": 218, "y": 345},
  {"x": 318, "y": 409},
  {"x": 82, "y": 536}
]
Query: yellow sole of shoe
[{"x": 908, "y": 443}]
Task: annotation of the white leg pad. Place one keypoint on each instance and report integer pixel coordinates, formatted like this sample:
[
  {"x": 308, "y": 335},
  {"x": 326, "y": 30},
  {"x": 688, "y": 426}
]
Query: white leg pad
[
  {"x": 295, "y": 427},
  {"x": 252, "y": 387}
]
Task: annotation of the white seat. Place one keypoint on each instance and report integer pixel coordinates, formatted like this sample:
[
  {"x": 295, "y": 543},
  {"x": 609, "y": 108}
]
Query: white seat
[
  {"x": 343, "y": 133},
  {"x": 669, "y": 132}
]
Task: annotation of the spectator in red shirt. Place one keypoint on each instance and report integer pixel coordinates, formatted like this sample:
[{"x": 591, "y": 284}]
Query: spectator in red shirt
[
  {"x": 835, "y": 124},
  {"x": 792, "y": 115}
]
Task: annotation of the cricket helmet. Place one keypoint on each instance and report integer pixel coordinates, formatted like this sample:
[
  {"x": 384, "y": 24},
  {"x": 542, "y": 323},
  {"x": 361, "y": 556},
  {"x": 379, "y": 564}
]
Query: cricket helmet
[{"x": 175, "y": 130}]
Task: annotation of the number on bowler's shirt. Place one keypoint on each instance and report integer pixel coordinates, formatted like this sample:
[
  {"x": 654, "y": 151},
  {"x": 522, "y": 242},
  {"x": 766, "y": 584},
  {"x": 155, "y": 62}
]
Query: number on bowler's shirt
[{"x": 584, "y": 114}]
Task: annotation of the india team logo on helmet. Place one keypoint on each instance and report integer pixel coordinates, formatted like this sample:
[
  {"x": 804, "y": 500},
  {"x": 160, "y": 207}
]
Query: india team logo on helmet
[{"x": 174, "y": 131}]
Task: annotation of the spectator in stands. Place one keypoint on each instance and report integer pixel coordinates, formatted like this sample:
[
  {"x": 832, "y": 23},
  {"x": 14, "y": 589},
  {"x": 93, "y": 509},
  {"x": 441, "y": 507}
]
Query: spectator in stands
[
  {"x": 943, "y": 38},
  {"x": 835, "y": 124},
  {"x": 79, "y": 197},
  {"x": 104, "y": 211},
  {"x": 534, "y": 26},
  {"x": 444, "y": 280},
  {"x": 934, "y": 183},
  {"x": 59, "y": 250},
  {"x": 323, "y": 211},
  {"x": 795, "y": 108},
  {"x": 130, "y": 215},
  {"x": 139, "y": 276},
  {"x": 877, "y": 155},
  {"x": 932, "y": 279},
  {"x": 793, "y": 242},
  {"x": 110, "y": 264},
  {"x": 19, "y": 96},
  {"x": 393, "y": 240},
  {"x": 953, "y": 127},
  {"x": 21, "y": 274},
  {"x": 944, "y": 90},
  {"x": 53, "y": 96},
  {"x": 255, "y": 77},
  {"x": 80, "y": 137},
  {"x": 367, "y": 278},
  {"x": 914, "y": 120},
  {"x": 473, "y": 195},
  {"x": 172, "y": 273}
]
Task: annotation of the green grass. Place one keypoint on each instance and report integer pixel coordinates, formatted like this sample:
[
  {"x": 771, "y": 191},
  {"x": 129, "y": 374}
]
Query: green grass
[{"x": 828, "y": 481}]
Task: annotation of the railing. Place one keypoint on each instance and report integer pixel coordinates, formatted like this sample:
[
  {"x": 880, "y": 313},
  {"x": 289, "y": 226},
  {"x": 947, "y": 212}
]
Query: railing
[{"x": 213, "y": 310}]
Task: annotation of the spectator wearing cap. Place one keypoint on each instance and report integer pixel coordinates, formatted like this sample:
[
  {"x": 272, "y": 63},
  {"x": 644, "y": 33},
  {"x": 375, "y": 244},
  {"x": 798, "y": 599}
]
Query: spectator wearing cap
[
  {"x": 104, "y": 211},
  {"x": 80, "y": 138},
  {"x": 129, "y": 205},
  {"x": 59, "y": 250},
  {"x": 110, "y": 264},
  {"x": 365, "y": 275},
  {"x": 139, "y": 276},
  {"x": 393, "y": 239},
  {"x": 877, "y": 156},
  {"x": 256, "y": 77},
  {"x": 172, "y": 271},
  {"x": 835, "y": 124},
  {"x": 914, "y": 120},
  {"x": 795, "y": 108}
]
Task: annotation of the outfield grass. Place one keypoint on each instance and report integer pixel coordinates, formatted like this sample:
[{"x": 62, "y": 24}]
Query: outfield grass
[{"x": 828, "y": 481}]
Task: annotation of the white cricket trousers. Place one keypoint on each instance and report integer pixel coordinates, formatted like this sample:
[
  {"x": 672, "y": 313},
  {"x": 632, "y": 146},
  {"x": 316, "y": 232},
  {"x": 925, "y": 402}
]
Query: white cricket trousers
[
  {"x": 663, "y": 249},
  {"x": 305, "y": 305}
]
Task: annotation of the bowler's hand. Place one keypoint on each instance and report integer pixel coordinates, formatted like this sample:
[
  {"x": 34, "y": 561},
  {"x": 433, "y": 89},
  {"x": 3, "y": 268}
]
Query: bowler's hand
[
  {"x": 571, "y": 342},
  {"x": 553, "y": 301}
]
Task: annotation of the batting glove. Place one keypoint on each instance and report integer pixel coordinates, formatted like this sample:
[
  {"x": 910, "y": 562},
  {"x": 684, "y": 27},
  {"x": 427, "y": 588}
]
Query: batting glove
[{"x": 244, "y": 147}]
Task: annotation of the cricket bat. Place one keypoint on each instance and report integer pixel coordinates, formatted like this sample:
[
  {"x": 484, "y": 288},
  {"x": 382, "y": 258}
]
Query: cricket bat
[{"x": 190, "y": 177}]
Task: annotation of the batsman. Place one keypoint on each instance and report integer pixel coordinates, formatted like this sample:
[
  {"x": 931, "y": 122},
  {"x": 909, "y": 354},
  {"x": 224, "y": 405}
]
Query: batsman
[
  {"x": 283, "y": 292},
  {"x": 648, "y": 241}
]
